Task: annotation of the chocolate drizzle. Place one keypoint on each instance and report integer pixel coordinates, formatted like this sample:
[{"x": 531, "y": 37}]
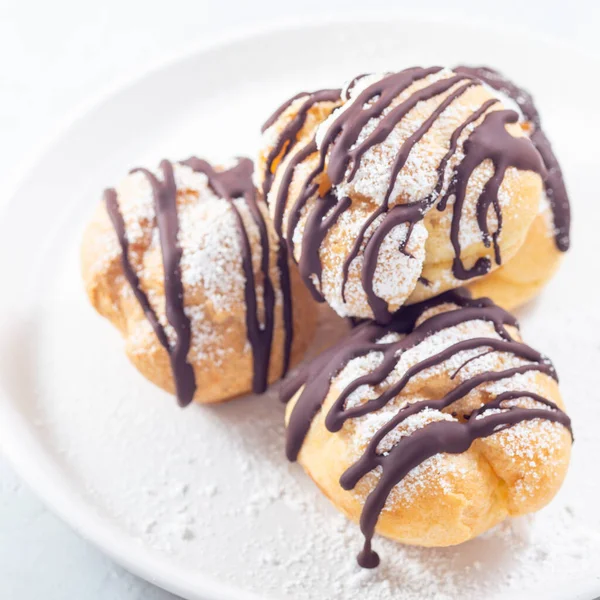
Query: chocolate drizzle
[
  {"x": 288, "y": 136},
  {"x": 339, "y": 158},
  {"x": 229, "y": 185},
  {"x": 489, "y": 141},
  {"x": 165, "y": 202},
  {"x": 554, "y": 183},
  {"x": 314, "y": 380},
  {"x": 165, "y": 194},
  {"x": 112, "y": 208}
]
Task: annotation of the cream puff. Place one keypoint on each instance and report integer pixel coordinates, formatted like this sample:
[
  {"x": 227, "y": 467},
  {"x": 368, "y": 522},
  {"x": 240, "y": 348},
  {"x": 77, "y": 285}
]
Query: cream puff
[
  {"x": 185, "y": 262},
  {"x": 434, "y": 428},
  {"x": 521, "y": 278},
  {"x": 399, "y": 186}
]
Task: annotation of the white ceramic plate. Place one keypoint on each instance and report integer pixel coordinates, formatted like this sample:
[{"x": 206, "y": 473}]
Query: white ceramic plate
[{"x": 202, "y": 501}]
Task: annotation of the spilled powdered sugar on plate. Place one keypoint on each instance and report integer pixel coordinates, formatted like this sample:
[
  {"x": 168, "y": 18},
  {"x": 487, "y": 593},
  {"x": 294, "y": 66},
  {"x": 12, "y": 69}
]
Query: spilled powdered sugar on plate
[{"x": 209, "y": 487}]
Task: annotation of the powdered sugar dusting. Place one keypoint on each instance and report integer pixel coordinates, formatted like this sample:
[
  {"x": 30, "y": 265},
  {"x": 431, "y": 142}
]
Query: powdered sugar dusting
[
  {"x": 397, "y": 273},
  {"x": 211, "y": 263},
  {"x": 418, "y": 176},
  {"x": 460, "y": 367},
  {"x": 368, "y": 182}
]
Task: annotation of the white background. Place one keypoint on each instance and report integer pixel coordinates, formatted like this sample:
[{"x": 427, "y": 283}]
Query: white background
[{"x": 56, "y": 54}]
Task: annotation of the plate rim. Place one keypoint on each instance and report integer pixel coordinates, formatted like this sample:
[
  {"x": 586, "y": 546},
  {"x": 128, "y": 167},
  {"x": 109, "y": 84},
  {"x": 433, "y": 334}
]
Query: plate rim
[{"x": 46, "y": 480}]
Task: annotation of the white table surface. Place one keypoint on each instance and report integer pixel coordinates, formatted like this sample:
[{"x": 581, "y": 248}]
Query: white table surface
[{"x": 56, "y": 54}]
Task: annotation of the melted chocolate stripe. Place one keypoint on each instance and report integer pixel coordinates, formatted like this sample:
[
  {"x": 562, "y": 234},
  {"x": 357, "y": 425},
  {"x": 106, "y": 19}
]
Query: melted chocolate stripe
[
  {"x": 452, "y": 149},
  {"x": 362, "y": 340},
  {"x": 283, "y": 192},
  {"x": 112, "y": 208},
  {"x": 165, "y": 204},
  {"x": 260, "y": 339},
  {"x": 320, "y": 221},
  {"x": 489, "y": 141},
  {"x": 410, "y": 143},
  {"x": 556, "y": 190},
  {"x": 363, "y": 466},
  {"x": 288, "y": 135},
  {"x": 344, "y": 131},
  {"x": 308, "y": 379},
  {"x": 271, "y": 120},
  {"x": 296, "y": 213},
  {"x": 400, "y": 214},
  {"x": 338, "y": 415},
  {"x": 356, "y": 246},
  {"x": 263, "y": 335},
  {"x": 506, "y": 396},
  {"x": 389, "y": 122},
  {"x": 285, "y": 284},
  {"x": 351, "y": 85},
  {"x": 469, "y": 361},
  {"x": 229, "y": 185}
]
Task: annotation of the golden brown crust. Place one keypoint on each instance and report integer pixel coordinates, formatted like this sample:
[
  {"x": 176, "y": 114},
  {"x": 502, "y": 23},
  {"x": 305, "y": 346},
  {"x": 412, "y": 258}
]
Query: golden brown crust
[
  {"x": 522, "y": 277},
  {"x": 220, "y": 353},
  {"x": 449, "y": 498},
  {"x": 426, "y": 270}
]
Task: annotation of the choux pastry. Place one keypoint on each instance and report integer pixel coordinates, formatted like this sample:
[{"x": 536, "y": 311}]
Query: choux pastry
[
  {"x": 521, "y": 278},
  {"x": 399, "y": 186},
  {"x": 185, "y": 262},
  {"x": 433, "y": 428}
]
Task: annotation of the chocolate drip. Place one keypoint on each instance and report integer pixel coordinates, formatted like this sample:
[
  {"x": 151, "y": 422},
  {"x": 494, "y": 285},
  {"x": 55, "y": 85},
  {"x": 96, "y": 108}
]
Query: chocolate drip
[
  {"x": 285, "y": 285},
  {"x": 448, "y": 437},
  {"x": 314, "y": 380},
  {"x": 489, "y": 141},
  {"x": 339, "y": 158},
  {"x": 554, "y": 183},
  {"x": 288, "y": 135},
  {"x": 320, "y": 220},
  {"x": 317, "y": 225},
  {"x": 228, "y": 184},
  {"x": 271, "y": 120},
  {"x": 362, "y": 341},
  {"x": 340, "y": 137},
  {"x": 112, "y": 208},
  {"x": 165, "y": 204},
  {"x": 283, "y": 192},
  {"x": 409, "y": 214}
]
